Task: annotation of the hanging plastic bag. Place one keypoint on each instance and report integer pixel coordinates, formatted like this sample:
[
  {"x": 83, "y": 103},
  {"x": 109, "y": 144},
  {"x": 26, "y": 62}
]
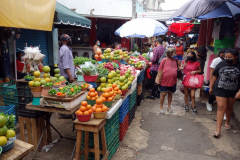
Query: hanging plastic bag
[
  {"x": 193, "y": 81},
  {"x": 25, "y": 68},
  {"x": 40, "y": 67}
]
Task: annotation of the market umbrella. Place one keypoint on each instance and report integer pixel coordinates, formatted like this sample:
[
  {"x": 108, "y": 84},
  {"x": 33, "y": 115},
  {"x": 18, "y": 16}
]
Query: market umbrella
[
  {"x": 197, "y": 8},
  {"x": 141, "y": 28},
  {"x": 180, "y": 28}
]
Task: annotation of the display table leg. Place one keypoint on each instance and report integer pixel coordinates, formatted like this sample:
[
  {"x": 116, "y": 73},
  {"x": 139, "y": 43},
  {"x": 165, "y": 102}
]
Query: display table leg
[
  {"x": 96, "y": 146},
  {"x": 78, "y": 145}
]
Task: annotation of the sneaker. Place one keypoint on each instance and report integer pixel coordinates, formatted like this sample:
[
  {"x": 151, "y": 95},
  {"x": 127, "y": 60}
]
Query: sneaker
[
  {"x": 186, "y": 108},
  {"x": 209, "y": 106},
  {"x": 194, "y": 111},
  {"x": 150, "y": 97},
  {"x": 224, "y": 117}
]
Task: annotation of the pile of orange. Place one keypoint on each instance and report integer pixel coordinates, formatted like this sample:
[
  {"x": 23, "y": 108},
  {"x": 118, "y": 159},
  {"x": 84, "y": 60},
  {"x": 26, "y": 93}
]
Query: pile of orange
[
  {"x": 108, "y": 94},
  {"x": 92, "y": 94},
  {"x": 99, "y": 106},
  {"x": 85, "y": 109},
  {"x": 116, "y": 89}
]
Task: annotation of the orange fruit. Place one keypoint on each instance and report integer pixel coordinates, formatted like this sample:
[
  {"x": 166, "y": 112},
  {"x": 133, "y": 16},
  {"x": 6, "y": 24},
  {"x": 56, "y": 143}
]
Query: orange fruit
[
  {"x": 106, "y": 90},
  {"x": 86, "y": 113},
  {"x": 89, "y": 106},
  {"x": 110, "y": 99},
  {"x": 80, "y": 113},
  {"x": 105, "y": 109},
  {"x": 99, "y": 110},
  {"x": 106, "y": 95},
  {"x": 96, "y": 96},
  {"x": 111, "y": 94},
  {"x": 104, "y": 99},
  {"x": 116, "y": 89},
  {"x": 114, "y": 94},
  {"x": 99, "y": 106},
  {"x": 89, "y": 93},
  {"x": 96, "y": 93},
  {"x": 83, "y": 109},
  {"x": 88, "y": 97},
  {"x": 110, "y": 89},
  {"x": 90, "y": 111},
  {"x": 119, "y": 91},
  {"x": 94, "y": 108},
  {"x": 92, "y": 94},
  {"x": 84, "y": 103},
  {"x": 92, "y": 89},
  {"x": 114, "y": 86},
  {"x": 99, "y": 101},
  {"x": 93, "y": 98},
  {"x": 77, "y": 112}
]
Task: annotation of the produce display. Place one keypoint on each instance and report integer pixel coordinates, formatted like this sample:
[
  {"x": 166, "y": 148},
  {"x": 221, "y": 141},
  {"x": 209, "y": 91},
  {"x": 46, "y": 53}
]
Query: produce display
[
  {"x": 28, "y": 78},
  {"x": 92, "y": 94},
  {"x": 137, "y": 62},
  {"x": 98, "y": 55},
  {"x": 107, "y": 54},
  {"x": 81, "y": 60},
  {"x": 7, "y": 132},
  {"x": 108, "y": 94},
  {"x": 87, "y": 69},
  {"x": 99, "y": 107},
  {"x": 85, "y": 109}
]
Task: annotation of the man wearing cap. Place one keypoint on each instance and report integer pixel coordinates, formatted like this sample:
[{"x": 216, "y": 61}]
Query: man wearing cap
[
  {"x": 65, "y": 62},
  {"x": 157, "y": 54}
]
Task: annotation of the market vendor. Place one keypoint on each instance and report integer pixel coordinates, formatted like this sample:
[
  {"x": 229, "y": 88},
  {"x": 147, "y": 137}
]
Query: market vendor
[
  {"x": 20, "y": 65},
  {"x": 115, "y": 46},
  {"x": 65, "y": 61},
  {"x": 96, "y": 46}
]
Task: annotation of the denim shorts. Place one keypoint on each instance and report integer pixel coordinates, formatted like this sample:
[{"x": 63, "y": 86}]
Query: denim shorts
[
  {"x": 170, "y": 89},
  {"x": 180, "y": 58}
]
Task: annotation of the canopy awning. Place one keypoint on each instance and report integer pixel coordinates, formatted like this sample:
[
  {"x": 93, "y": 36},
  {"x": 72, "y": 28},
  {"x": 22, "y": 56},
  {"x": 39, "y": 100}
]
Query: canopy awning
[
  {"x": 64, "y": 15},
  {"x": 37, "y": 14}
]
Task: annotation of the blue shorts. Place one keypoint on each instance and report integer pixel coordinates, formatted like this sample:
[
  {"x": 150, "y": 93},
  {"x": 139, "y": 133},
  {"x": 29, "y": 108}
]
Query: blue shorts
[
  {"x": 180, "y": 58},
  {"x": 170, "y": 89}
]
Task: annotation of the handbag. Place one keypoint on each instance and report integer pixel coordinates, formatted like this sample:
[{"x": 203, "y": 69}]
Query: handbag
[
  {"x": 179, "y": 72},
  {"x": 160, "y": 73},
  {"x": 193, "y": 81}
]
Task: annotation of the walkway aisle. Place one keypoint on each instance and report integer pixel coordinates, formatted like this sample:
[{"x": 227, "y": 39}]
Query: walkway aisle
[{"x": 177, "y": 136}]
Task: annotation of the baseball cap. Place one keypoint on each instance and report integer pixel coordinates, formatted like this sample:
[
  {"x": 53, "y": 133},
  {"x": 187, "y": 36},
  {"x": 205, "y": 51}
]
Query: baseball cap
[
  {"x": 65, "y": 37},
  {"x": 159, "y": 40}
]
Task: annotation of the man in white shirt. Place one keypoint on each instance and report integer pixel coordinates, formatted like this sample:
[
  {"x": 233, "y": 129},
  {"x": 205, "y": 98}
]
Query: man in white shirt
[{"x": 213, "y": 65}]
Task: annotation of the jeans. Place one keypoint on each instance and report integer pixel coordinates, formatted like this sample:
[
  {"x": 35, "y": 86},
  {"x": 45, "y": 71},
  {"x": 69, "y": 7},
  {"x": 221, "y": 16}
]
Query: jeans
[{"x": 155, "y": 86}]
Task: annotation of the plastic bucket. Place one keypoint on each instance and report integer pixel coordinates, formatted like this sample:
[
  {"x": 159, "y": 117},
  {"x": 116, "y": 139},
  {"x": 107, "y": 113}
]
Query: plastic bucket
[
  {"x": 124, "y": 92},
  {"x": 80, "y": 78},
  {"x": 36, "y": 101},
  {"x": 99, "y": 115},
  {"x": 84, "y": 118},
  {"x": 36, "y": 89},
  {"x": 108, "y": 103},
  {"x": 88, "y": 78},
  {"x": 45, "y": 91},
  {"x": 9, "y": 146}
]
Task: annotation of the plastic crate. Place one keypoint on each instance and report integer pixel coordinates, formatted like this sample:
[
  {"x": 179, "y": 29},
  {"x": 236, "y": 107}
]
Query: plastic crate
[
  {"x": 124, "y": 109},
  {"x": 23, "y": 89},
  {"x": 9, "y": 110},
  {"x": 24, "y": 99},
  {"x": 140, "y": 77},
  {"x": 123, "y": 127},
  {"x": 10, "y": 95},
  {"x": 11, "y": 82},
  {"x": 23, "y": 112},
  {"x": 132, "y": 113},
  {"x": 132, "y": 99},
  {"x": 112, "y": 126}
]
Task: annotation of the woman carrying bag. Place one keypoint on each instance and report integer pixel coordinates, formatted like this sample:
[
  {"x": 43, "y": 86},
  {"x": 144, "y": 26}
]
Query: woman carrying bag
[{"x": 167, "y": 78}]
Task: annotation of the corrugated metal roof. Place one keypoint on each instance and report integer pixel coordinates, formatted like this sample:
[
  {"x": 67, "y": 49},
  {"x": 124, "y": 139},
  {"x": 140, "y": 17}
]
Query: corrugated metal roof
[
  {"x": 117, "y": 9},
  {"x": 160, "y": 16}
]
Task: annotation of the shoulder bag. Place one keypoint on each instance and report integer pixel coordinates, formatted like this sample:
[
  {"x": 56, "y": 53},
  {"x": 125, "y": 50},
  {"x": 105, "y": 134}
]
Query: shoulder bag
[{"x": 179, "y": 72}]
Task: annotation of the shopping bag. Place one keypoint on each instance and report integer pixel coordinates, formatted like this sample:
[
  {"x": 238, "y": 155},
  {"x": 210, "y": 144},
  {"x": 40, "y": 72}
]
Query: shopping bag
[{"x": 193, "y": 81}]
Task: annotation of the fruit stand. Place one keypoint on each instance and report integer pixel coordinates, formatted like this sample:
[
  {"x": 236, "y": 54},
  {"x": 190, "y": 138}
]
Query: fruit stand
[{"x": 109, "y": 92}]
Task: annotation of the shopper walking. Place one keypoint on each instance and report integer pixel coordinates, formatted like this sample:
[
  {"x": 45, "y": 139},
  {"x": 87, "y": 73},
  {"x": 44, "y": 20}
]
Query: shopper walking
[
  {"x": 96, "y": 47},
  {"x": 179, "y": 52},
  {"x": 157, "y": 53},
  {"x": 225, "y": 86},
  {"x": 213, "y": 65},
  {"x": 167, "y": 78},
  {"x": 190, "y": 66},
  {"x": 201, "y": 57}
]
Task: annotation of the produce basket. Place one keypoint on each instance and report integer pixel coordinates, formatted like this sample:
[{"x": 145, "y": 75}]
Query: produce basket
[
  {"x": 84, "y": 118},
  {"x": 28, "y": 79},
  {"x": 56, "y": 85},
  {"x": 105, "y": 60},
  {"x": 91, "y": 102},
  {"x": 45, "y": 91},
  {"x": 89, "y": 78},
  {"x": 124, "y": 92},
  {"x": 80, "y": 78},
  {"x": 99, "y": 115},
  {"x": 36, "y": 94},
  {"x": 118, "y": 96},
  {"x": 36, "y": 89},
  {"x": 9, "y": 146},
  {"x": 108, "y": 103}
]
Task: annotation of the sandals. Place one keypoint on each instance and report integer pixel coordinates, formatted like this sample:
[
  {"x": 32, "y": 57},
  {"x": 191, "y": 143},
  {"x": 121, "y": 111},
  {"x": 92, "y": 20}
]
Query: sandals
[
  {"x": 162, "y": 112},
  {"x": 227, "y": 127},
  {"x": 216, "y": 134},
  {"x": 170, "y": 110}
]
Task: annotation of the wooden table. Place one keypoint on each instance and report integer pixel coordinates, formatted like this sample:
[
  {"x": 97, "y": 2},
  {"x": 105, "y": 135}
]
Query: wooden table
[
  {"x": 95, "y": 126},
  {"x": 19, "y": 151}
]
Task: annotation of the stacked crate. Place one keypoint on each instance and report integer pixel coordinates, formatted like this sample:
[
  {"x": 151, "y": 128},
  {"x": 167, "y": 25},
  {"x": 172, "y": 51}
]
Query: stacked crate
[
  {"x": 140, "y": 81},
  {"x": 10, "y": 95},
  {"x": 132, "y": 105},
  {"x": 24, "y": 97},
  {"x": 4, "y": 85},
  {"x": 123, "y": 118}
]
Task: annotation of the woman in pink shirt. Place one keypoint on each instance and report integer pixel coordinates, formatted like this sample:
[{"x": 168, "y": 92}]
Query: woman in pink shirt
[
  {"x": 190, "y": 66},
  {"x": 168, "y": 66}
]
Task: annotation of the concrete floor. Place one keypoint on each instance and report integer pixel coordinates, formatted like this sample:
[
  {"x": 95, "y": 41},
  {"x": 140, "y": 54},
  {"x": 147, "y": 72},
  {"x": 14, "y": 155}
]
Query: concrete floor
[{"x": 152, "y": 136}]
